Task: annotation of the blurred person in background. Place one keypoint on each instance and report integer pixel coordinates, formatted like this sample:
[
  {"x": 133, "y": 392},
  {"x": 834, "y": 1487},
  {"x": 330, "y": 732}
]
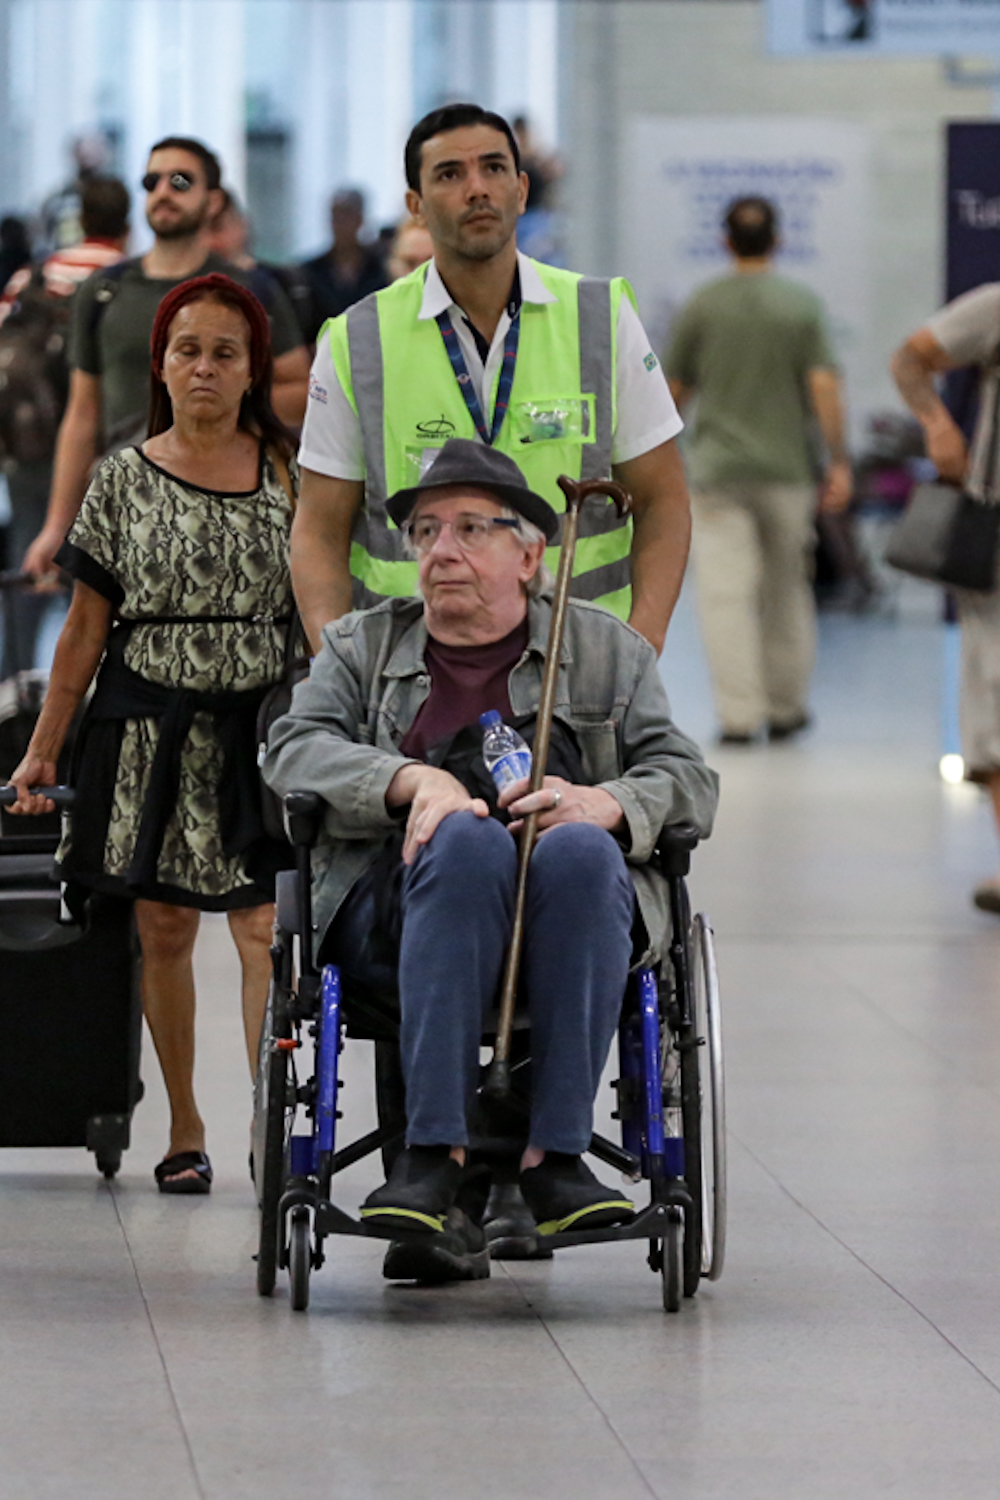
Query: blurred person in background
[
  {"x": 231, "y": 236},
  {"x": 181, "y": 605},
  {"x": 113, "y": 317},
  {"x": 61, "y": 224},
  {"x": 15, "y": 247},
  {"x": 350, "y": 269},
  {"x": 966, "y": 332},
  {"x": 35, "y": 311},
  {"x": 538, "y": 231},
  {"x": 411, "y": 247},
  {"x": 753, "y": 349}
]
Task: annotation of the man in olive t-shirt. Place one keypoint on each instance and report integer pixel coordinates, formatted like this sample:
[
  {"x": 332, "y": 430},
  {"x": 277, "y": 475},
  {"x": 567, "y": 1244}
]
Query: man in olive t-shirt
[
  {"x": 113, "y": 319},
  {"x": 753, "y": 349}
]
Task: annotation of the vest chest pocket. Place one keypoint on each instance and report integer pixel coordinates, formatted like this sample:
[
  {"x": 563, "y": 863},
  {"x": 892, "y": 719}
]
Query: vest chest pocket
[
  {"x": 555, "y": 419},
  {"x": 598, "y": 743}
]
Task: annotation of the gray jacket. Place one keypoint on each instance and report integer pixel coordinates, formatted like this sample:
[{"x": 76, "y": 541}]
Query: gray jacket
[{"x": 341, "y": 736}]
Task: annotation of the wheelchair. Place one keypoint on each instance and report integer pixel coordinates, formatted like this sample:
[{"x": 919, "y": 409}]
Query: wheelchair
[{"x": 670, "y": 1091}]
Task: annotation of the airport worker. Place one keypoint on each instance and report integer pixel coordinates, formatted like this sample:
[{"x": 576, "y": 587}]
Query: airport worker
[{"x": 483, "y": 343}]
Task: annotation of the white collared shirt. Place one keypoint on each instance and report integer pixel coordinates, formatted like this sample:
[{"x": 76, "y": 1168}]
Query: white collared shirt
[{"x": 647, "y": 416}]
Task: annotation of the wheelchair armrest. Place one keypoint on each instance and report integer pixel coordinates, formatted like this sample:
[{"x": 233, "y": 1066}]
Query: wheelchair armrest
[
  {"x": 674, "y": 846},
  {"x": 303, "y": 816}
]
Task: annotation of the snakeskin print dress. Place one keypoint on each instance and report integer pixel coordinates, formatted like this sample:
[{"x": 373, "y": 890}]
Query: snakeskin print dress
[{"x": 156, "y": 545}]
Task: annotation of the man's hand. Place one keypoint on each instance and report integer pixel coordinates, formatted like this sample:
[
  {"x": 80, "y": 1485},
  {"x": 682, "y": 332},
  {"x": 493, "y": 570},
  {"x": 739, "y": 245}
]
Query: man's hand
[
  {"x": 838, "y": 486},
  {"x": 432, "y": 794},
  {"x": 561, "y": 801},
  {"x": 946, "y": 447}
]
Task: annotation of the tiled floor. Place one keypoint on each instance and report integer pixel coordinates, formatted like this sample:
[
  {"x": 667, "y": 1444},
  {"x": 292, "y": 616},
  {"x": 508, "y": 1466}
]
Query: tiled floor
[{"x": 852, "y": 1349}]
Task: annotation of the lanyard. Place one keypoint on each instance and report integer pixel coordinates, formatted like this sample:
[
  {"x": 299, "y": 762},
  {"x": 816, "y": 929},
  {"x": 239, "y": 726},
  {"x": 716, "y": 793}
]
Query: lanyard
[{"x": 464, "y": 379}]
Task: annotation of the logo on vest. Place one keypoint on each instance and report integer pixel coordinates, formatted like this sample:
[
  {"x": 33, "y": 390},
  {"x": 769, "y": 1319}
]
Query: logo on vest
[{"x": 439, "y": 428}]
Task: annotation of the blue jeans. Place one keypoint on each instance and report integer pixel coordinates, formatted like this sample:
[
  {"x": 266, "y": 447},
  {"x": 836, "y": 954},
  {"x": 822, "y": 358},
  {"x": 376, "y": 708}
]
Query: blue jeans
[{"x": 457, "y": 909}]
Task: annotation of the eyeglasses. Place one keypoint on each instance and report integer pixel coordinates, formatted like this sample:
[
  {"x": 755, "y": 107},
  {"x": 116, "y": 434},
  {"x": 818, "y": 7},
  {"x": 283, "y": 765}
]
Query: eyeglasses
[
  {"x": 180, "y": 182},
  {"x": 470, "y": 532}
]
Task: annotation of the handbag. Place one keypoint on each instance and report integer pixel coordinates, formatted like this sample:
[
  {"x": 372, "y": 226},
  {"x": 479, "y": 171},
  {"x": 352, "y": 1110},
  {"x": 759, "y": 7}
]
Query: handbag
[{"x": 948, "y": 536}]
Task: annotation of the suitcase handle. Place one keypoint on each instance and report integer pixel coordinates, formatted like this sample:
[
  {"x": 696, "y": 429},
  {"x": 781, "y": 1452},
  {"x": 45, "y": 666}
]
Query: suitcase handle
[{"x": 62, "y": 796}]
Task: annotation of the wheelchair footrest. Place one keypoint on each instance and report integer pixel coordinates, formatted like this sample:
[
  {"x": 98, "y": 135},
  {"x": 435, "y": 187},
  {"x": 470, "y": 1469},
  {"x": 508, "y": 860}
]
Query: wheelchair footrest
[{"x": 651, "y": 1224}]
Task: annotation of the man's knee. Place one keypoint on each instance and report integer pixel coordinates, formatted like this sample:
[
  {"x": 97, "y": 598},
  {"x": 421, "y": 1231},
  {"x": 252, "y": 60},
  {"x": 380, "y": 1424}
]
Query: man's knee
[
  {"x": 579, "y": 857},
  {"x": 465, "y": 851}
]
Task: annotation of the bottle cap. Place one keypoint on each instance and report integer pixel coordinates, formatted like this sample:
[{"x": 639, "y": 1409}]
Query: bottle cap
[{"x": 489, "y": 718}]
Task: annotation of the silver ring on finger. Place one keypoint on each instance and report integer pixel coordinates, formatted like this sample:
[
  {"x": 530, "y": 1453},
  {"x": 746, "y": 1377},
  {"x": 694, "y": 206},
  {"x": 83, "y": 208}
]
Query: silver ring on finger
[{"x": 556, "y": 797}]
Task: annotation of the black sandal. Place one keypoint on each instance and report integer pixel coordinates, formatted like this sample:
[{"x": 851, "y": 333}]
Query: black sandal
[{"x": 167, "y": 1173}]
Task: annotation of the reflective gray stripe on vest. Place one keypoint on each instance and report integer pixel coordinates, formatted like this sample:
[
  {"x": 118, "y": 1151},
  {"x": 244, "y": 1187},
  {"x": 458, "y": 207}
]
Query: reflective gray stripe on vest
[
  {"x": 600, "y": 581},
  {"x": 596, "y": 370},
  {"x": 372, "y": 530},
  {"x": 365, "y": 350}
]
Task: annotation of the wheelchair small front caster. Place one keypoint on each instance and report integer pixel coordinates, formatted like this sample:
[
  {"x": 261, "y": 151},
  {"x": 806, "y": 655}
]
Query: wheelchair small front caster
[
  {"x": 299, "y": 1257},
  {"x": 670, "y": 1261}
]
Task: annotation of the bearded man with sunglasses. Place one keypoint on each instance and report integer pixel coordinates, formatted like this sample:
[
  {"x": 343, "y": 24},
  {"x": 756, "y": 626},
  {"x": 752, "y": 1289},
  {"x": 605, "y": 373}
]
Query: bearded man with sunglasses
[
  {"x": 113, "y": 318},
  {"x": 416, "y": 863}
]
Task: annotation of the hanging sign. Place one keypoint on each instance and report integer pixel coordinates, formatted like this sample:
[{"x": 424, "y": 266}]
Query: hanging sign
[{"x": 883, "y": 27}]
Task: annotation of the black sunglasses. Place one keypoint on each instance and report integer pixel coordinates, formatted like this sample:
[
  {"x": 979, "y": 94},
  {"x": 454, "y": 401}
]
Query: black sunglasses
[{"x": 179, "y": 181}]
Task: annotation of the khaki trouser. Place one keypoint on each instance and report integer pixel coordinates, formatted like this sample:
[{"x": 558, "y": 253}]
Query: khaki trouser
[{"x": 753, "y": 561}]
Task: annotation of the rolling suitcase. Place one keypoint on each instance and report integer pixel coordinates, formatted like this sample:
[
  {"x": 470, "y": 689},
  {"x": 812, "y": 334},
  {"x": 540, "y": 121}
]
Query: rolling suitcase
[{"x": 70, "y": 1008}]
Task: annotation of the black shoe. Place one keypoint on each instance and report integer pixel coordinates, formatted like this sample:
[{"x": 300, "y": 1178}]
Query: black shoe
[
  {"x": 511, "y": 1232},
  {"x": 563, "y": 1193},
  {"x": 421, "y": 1189},
  {"x": 736, "y": 737},
  {"x": 459, "y": 1253},
  {"x": 784, "y": 729}
]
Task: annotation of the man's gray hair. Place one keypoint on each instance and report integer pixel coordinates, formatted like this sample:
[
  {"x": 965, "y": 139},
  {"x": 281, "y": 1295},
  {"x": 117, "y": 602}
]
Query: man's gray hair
[{"x": 541, "y": 581}]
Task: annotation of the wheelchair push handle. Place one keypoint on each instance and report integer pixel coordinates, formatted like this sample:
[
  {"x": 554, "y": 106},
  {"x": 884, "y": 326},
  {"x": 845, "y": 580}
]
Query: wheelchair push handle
[
  {"x": 303, "y": 816},
  {"x": 62, "y": 796},
  {"x": 674, "y": 847}
]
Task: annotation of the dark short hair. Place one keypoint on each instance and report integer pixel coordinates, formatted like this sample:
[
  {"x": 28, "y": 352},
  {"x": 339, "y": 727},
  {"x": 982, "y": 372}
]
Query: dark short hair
[
  {"x": 752, "y": 227},
  {"x": 451, "y": 117},
  {"x": 208, "y": 159},
  {"x": 104, "y": 208}
]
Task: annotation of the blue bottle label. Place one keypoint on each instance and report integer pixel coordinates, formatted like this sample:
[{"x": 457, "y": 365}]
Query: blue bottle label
[{"x": 511, "y": 767}]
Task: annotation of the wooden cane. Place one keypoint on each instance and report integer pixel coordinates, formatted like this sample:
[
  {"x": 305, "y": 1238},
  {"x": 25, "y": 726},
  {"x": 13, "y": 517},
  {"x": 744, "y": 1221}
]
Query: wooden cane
[{"x": 576, "y": 491}]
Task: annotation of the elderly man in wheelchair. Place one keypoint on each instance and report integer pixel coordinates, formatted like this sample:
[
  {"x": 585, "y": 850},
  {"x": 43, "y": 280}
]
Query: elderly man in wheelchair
[{"x": 416, "y": 860}]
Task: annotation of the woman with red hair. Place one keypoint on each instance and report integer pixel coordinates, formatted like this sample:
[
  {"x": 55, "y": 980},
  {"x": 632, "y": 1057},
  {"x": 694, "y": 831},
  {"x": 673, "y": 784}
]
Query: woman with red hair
[{"x": 181, "y": 584}]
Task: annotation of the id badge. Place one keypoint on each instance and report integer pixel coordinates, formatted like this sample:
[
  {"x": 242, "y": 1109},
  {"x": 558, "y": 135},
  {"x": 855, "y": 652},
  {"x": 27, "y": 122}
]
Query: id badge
[{"x": 557, "y": 419}]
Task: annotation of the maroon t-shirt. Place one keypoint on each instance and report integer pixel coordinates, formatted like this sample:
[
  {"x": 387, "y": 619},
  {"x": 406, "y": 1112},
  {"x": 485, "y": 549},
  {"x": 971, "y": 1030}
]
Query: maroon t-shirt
[{"x": 466, "y": 681}]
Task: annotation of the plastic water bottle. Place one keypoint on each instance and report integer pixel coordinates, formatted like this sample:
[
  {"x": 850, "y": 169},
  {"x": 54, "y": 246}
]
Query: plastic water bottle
[{"x": 507, "y": 757}]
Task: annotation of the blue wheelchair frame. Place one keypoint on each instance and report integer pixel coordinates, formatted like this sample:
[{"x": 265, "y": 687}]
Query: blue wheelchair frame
[{"x": 661, "y": 1116}]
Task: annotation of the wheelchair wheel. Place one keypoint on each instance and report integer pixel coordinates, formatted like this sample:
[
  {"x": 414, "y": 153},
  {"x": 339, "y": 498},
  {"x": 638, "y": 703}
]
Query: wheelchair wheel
[
  {"x": 299, "y": 1257},
  {"x": 273, "y": 1115},
  {"x": 671, "y": 1259},
  {"x": 708, "y": 1022}
]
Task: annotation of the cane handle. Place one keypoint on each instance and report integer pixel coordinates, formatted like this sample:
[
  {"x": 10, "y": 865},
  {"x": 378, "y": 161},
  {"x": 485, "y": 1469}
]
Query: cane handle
[{"x": 577, "y": 491}]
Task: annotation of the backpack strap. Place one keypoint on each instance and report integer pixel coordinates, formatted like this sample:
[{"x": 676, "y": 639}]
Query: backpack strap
[{"x": 107, "y": 290}]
